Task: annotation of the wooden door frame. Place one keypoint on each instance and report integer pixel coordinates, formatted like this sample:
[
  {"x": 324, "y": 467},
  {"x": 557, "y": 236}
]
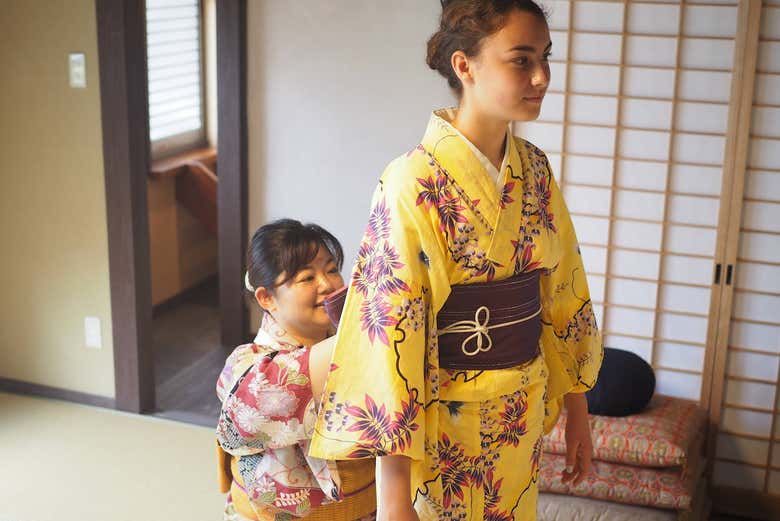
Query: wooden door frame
[
  {"x": 124, "y": 114},
  {"x": 730, "y": 219},
  {"x": 232, "y": 161}
]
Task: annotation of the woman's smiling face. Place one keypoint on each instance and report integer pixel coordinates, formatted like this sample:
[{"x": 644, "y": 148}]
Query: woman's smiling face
[{"x": 297, "y": 305}]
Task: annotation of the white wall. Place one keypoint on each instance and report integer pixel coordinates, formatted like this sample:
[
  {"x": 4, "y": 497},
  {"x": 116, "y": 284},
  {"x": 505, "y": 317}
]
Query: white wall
[{"x": 336, "y": 90}]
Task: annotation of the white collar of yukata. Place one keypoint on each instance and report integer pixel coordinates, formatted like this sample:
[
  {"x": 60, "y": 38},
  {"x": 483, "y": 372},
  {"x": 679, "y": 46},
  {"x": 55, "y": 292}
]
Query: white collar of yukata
[
  {"x": 447, "y": 116},
  {"x": 272, "y": 335}
]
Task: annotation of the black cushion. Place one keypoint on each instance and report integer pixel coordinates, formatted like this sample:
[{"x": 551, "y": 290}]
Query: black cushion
[{"x": 625, "y": 385}]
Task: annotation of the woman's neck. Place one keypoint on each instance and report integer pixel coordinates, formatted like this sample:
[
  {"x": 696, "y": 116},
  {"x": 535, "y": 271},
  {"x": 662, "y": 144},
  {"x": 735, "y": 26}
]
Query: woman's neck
[
  {"x": 487, "y": 134},
  {"x": 307, "y": 339}
]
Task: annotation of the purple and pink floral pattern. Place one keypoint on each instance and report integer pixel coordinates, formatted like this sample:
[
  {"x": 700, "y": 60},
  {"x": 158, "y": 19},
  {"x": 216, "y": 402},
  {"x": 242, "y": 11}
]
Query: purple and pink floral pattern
[
  {"x": 266, "y": 421},
  {"x": 474, "y": 437},
  {"x": 451, "y": 205},
  {"x": 374, "y": 276}
]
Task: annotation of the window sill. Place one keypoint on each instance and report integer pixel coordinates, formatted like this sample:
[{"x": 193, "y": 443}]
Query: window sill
[{"x": 180, "y": 163}]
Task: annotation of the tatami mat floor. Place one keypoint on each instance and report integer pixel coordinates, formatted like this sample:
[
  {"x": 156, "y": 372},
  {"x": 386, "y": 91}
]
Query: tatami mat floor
[
  {"x": 65, "y": 462},
  {"x": 61, "y": 461}
]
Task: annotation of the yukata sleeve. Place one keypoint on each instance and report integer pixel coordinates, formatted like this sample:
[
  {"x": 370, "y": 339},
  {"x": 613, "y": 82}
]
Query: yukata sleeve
[
  {"x": 265, "y": 400},
  {"x": 571, "y": 341},
  {"x": 384, "y": 370}
]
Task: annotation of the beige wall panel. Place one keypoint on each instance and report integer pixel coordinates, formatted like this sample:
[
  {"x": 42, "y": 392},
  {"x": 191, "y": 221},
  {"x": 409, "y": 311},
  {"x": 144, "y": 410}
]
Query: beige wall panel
[{"x": 54, "y": 267}]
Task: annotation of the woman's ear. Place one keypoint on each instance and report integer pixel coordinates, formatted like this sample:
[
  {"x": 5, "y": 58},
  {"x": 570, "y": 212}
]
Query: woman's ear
[
  {"x": 265, "y": 299},
  {"x": 462, "y": 67}
]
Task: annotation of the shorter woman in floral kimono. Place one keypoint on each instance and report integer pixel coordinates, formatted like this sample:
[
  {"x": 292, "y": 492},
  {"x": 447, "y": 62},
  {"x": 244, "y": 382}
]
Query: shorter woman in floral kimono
[{"x": 269, "y": 388}]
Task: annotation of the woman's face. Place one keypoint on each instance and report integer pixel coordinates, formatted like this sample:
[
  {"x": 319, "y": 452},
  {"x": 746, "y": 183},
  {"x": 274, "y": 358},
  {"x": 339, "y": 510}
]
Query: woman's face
[
  {"x": 510, "y": 75},
  {"x": 297, "y": 305}
]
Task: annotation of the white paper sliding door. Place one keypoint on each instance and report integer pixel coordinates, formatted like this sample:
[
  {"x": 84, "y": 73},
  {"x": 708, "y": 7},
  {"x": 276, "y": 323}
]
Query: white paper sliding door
[
  {"x": 747, "y": 452},
  {"x": 635, "y": 125}
]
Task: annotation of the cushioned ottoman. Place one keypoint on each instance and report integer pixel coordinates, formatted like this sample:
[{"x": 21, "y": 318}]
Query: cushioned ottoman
[
  {"x": 647, "y": 466},
  {"x": 556, "y": 507},
  {"x": 660, "y": 436}
]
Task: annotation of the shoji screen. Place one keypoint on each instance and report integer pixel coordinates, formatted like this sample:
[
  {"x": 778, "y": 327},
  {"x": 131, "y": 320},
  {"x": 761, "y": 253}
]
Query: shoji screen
[
  {"x": 634, "y": 124},
  {"x": 748, "y": 445}
]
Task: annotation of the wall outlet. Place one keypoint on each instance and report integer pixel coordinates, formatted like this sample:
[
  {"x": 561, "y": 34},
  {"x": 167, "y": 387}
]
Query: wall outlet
[
  {"x": 92, "y": 337},
  {"x": 77, "y": 67}
]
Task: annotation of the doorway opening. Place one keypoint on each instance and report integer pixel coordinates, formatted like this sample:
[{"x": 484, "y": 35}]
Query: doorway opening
[{"x": 175, "y": 168}]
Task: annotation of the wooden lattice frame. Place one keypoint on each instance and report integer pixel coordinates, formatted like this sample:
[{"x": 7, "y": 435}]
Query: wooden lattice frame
[{"x": 729, "y": 226}]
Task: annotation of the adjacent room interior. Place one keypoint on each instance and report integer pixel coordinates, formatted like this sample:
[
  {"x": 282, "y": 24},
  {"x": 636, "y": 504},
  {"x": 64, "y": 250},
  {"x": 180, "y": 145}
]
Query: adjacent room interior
[{"x": 182, "y": 208}]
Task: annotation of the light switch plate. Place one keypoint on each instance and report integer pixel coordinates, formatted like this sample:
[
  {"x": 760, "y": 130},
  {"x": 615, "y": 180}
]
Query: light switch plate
[
  {"x": 77, "y": 66},
  {"x": 92, "y": 337}
]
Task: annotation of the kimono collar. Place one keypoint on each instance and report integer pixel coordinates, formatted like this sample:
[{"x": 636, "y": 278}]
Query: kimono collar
[
  {"x": 490, "y": 168},
  {"x": 274, "y": 337},
  {"x": 501, "y": 210}
]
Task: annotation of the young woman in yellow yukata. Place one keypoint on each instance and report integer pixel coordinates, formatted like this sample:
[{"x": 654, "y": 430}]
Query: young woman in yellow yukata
[{"x": 468, "y": 322}]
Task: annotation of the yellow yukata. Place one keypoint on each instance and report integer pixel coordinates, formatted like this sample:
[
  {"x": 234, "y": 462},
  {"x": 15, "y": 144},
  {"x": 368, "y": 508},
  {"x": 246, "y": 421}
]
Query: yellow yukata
[{"x": 474, "y": 437}]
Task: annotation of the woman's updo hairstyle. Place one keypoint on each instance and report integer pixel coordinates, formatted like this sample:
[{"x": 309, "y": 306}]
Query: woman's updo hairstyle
[
  {"x": 463, "y": 25},
  {"x": 285, "y": 247}
]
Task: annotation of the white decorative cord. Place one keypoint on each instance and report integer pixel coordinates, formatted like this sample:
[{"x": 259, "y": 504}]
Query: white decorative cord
[
  {"x": 480, "y": 328},
  {"x": 247, "y": 284}
]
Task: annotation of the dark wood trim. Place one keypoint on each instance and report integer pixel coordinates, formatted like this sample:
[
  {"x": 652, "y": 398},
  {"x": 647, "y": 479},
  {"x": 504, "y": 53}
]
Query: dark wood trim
[
  {"x": 232, "y": 168},
  {"x": 44, "y": 391},
  {"x": 121, "y": 26},
  {"x": 745, "y": 503}
]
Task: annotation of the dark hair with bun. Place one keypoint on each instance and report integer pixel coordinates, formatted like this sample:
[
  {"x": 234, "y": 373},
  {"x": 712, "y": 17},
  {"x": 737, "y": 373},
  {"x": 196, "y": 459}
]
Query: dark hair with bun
[
  {"x": 286, "y": 247},
  {"x": 463, "y": 25}
]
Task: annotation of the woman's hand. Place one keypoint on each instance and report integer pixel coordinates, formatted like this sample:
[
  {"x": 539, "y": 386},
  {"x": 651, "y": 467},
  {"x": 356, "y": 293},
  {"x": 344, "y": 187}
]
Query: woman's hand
[
  {"x": 579, "y": 446},
  {"x": 319, "y": 365},
  {"x": 394, "y": 479}
]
